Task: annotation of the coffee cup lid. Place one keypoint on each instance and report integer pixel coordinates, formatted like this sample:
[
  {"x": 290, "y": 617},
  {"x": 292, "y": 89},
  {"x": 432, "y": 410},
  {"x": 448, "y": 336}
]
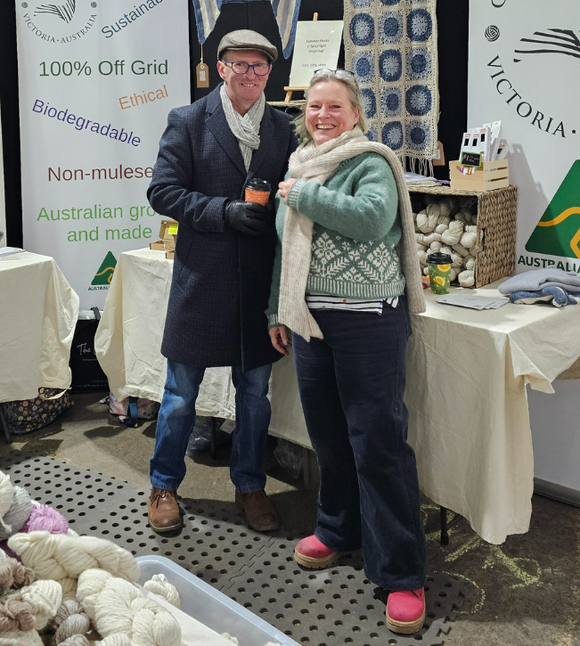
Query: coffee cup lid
[
  {"x": 258, "y": 184},
  {"x": 439, "y": 258}
]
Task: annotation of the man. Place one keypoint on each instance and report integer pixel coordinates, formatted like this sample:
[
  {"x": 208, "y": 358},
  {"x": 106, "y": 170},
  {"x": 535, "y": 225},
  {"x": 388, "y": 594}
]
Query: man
[{"x": 222, "y": 269}]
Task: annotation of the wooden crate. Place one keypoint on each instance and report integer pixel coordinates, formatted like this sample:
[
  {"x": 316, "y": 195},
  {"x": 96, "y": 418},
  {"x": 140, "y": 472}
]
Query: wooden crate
[
  {"x": 168, "y": 234},
  {"x": 495, "y": 255},
  {"x": 493, "y": 175}
]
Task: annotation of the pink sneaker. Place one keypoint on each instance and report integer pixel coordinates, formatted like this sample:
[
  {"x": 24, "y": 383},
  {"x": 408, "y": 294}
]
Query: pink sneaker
[
  {"x": 314, "y": 555},
  {"x": 406, "y": 611}
]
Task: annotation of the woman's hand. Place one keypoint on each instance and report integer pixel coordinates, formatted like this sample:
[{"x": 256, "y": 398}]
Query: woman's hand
[
  {"x": 284, "y": 188},
  {"x": 280, "y": 338}
]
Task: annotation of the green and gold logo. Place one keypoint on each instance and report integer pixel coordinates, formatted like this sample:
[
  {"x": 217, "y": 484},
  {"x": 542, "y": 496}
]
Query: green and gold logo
[
  {"x": 105, "y": 273},
  {"x": 558, "y": 231}
]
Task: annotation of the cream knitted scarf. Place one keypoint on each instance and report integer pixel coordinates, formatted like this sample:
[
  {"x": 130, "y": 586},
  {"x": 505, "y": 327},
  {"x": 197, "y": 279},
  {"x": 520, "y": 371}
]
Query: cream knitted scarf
[
  {"x": 246, "y": 129},
  {"x": 310, "y": 162}
]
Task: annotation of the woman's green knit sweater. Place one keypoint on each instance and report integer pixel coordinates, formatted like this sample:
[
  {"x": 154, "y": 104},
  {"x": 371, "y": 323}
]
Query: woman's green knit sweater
[{"x": 356, "y": 229}]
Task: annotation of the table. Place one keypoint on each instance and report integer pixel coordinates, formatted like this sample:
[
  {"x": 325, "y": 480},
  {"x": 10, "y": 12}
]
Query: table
[
  {"x": 38, "y": 315},
  {"x": 466, "y": 387}
]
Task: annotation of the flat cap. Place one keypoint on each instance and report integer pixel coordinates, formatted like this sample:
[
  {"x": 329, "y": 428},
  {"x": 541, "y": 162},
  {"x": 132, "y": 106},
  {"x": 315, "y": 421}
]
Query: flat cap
[{"x": 247, "y": 39}]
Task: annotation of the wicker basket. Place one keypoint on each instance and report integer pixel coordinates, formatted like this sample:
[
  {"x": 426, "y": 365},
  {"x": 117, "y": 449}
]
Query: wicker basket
[{"x": 496, "y": 228}]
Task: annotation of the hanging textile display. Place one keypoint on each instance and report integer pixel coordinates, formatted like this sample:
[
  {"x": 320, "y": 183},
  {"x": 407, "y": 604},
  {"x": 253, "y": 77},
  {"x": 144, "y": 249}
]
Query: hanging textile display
[
  {"x": 391, "y": 46},
  {"x": 285, "y": 11}
]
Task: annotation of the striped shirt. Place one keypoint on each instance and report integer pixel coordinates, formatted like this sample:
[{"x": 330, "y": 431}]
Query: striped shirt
[{"x": 349, "y": 304}]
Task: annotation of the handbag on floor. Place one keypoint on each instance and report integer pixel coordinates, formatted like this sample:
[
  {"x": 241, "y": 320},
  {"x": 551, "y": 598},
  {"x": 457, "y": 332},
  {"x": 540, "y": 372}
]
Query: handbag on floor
[
  {"x": 131, "y": 409},
  {"x": 28, "y": 415}
]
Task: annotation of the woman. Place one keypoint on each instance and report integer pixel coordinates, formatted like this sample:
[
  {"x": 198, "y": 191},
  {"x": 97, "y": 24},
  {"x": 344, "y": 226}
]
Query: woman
[{"x": 342, "y": 288}]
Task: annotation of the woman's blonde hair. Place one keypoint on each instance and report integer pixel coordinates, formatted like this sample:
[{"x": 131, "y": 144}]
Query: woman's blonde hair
[{"x": 324, "y": 76}]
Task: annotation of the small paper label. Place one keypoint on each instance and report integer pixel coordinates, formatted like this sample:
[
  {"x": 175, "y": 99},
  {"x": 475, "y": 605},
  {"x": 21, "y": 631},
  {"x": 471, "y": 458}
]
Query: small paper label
[
  {"x": 202, "y": 75},
  {"x": 439, "y": 159}
]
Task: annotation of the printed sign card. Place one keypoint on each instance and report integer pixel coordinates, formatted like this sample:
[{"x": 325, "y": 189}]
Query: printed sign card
[{"x": 317, "y": 46}]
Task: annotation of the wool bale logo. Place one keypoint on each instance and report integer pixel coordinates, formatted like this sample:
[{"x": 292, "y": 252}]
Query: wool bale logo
[
  {"x": 65, "y": 11},
  {"x": 105, "y": 273},
  {"x": 552, "y": 41},
  {"x": 60, "y": 22},
  {"x": 558, "y": 231}
]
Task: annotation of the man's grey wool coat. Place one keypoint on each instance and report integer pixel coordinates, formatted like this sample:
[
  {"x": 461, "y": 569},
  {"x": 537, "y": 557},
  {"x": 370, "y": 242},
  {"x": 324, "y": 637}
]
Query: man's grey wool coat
[{"x": 221, "y": 278}]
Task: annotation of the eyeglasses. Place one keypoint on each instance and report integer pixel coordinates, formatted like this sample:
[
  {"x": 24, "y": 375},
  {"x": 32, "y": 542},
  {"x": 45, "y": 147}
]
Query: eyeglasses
[
  {"x": 241, "y": 67},
  {"x": 337, "y": 73}
]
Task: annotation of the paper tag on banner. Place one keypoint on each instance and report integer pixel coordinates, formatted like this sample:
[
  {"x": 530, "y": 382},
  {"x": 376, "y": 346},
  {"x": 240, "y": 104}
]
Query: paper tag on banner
[
  {"x": 202, "y": 75},
  {"x": 439, "y": 159}
]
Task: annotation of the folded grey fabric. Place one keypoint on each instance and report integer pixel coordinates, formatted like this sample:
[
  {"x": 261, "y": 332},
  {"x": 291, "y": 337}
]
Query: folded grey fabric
[{"x": 537, "y": 279}]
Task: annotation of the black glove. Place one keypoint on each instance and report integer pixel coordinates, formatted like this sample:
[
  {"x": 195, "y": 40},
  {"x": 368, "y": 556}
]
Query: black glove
[{"x": 248, "y": 217}]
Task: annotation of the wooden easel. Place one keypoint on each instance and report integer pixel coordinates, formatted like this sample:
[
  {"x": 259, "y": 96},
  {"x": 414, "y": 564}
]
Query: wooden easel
[{"x": 289, "y": 89}]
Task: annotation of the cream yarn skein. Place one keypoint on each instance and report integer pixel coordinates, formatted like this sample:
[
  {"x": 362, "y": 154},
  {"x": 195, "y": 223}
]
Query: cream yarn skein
[
  {"x": 158, "y": 584},
  {"x": 467, "y": 278},
  {"x": 118, "y": 607},
  {"x": 20, "y": 638},
  {"x": 469, "y": 238},
  {"x": 453, "y": 234},
  {"x": 116, "y": 640},
  {"x": 58, "y": 556}
]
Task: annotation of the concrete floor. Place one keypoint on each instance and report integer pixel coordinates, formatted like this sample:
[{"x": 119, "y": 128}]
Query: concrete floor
[{"x": 525, "y": 592}]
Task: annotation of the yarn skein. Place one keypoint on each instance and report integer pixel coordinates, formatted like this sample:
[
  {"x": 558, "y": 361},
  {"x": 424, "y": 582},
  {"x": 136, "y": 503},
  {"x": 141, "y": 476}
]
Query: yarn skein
[
  {"x": 58, "y": 556},
  {"x": 16, "y": 615},
  {"x": 6, "y": 499},
  {"x": 45, "y": 518},
  {"x": 118, "y": 607},
  {"x": 18, "y": 514},
  {"x": 21, "y": 638},
  {"x": 70, "y": 625},
  {"x": 158, "y": 584},
  {"x": 44, "y": 597},
  {"x": 14, "y": 575}
]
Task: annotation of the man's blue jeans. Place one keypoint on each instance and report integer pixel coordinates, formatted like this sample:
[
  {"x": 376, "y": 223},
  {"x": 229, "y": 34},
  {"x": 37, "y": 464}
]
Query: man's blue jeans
[
  {"x": 352, "y": 384},
  {"x": 177, "y": 418}
]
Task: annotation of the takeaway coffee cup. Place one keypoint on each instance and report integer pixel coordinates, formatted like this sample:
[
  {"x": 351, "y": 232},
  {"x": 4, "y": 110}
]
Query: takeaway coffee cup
[
  {"x": 439, "y": 267},
  {"x": 258, "y": 190}
]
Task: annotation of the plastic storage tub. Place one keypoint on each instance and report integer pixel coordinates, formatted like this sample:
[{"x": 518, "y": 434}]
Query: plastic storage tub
[{"x": 211, "y": 607}]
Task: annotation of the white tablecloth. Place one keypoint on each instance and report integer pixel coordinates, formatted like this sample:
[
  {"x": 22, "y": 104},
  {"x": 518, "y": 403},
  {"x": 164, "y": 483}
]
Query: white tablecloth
[
  {"x": 466, "y": 387},
  {"x": 38, "y": 315}
]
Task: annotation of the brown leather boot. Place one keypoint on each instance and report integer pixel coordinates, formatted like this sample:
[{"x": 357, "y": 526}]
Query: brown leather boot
[
  {"x": 164, "y": 514},
  {"x": 259, "y": 509}
]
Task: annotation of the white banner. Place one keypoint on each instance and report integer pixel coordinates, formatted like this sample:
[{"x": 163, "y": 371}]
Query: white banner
[
  {"x": 97, "y": 80},
  {"x": 524, "y": 69}
]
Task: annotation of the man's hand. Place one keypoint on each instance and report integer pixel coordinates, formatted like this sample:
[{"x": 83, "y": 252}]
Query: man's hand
[
  {"x": 280, "y": 338},
  {"x": 248, "y": 217}
]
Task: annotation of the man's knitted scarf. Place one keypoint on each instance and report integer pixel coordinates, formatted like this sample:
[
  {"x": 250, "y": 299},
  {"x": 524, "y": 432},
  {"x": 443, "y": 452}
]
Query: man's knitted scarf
[
  {"x": 245, "y": 129},
  {"x": 310, "y": 162}
]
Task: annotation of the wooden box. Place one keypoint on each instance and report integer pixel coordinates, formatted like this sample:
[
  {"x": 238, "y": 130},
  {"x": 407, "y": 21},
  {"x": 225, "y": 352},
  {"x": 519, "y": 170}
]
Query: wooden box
[
  {"x": 493, "y": 175},
  {"x": 167, "y": 235},
  {"x": 495, "y": 253}
]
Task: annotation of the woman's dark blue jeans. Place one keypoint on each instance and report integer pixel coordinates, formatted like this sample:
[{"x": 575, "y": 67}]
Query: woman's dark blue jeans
[{"x": 352, "y": 384}]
